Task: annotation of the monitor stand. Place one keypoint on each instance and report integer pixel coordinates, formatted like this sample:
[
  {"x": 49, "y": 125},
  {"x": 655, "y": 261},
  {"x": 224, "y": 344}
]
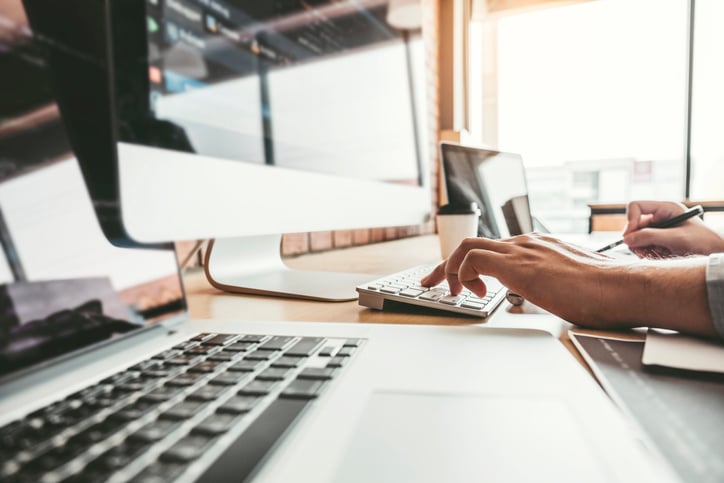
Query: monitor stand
[{"x": 253, "y": 265}]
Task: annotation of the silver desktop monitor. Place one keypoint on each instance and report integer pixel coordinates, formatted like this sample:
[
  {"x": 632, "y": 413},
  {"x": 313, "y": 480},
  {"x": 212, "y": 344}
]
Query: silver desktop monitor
[{"x": 242, "y": 120}]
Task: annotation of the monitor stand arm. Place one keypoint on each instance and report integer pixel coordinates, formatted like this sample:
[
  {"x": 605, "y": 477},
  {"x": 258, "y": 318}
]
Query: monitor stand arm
[{"x": 253, "y": 265}]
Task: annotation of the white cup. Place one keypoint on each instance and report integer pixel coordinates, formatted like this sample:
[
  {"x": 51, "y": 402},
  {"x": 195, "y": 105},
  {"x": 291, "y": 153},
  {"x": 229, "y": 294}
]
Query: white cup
[{"x": 454, "y": 224}]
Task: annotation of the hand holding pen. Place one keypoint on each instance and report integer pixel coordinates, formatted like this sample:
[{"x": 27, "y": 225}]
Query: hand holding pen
[{"x": 639, "y": 221}]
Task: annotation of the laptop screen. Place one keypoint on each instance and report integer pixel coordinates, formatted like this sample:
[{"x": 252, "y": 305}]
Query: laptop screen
[
  {"x": 63, "y": 286},
  {"x": 492, "y": 179}
]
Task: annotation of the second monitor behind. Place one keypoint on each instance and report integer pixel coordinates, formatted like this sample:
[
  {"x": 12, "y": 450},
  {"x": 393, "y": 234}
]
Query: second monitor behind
[{"x": 495, "y": 181}]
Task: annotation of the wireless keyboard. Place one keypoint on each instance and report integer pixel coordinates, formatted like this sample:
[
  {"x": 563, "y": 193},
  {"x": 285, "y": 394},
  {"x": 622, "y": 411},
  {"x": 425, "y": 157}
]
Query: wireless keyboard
[{"x": 405, "y": 287}]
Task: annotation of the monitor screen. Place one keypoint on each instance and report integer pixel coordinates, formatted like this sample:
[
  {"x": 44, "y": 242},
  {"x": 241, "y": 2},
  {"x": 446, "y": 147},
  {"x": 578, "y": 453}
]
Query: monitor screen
[
  {"x": 240, "y": 119},
  {"x": 63, "y": 285},
  {"x": 492, "y": 179},
  {"x": 328, "y": 94}
]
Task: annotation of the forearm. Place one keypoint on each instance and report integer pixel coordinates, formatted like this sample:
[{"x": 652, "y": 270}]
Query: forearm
[{"x": 665, "y": 294}]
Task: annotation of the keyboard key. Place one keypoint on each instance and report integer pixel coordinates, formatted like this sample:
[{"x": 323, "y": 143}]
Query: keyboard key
[
  {"x": 302, "y": 389},
  {"x": 253, "y": 338},
  {"x": 258, "y": 355},
  {"x": 472, "y": 305},
  {"x": 411, "y": 292},
  {"x": 276, "y": 343},
  {"x": 221, "y": 339},
  {"x": 452, "y": 299},
  {"x": 352, "y": 342},
  {"x": 134, "y": 411},
  {"x": 155, "y": 431},
  {"x": 239, "y": 347},
  {"x": 328, "y": 351},
  {"x": 245, "y": 366},
  {"x": 205, "y": 367},
  {"x": 228, "y": 379},
  {"x": 345, "y": 352},
  {"x": 257, "y": 388},
  {"x": 288, "y": 362},
  {"x": 184, "y": 360},
  {"x": 159, "y": 472},
  {"x": 121, "y": 455},
  {"x": 163, "y": 393},
  {"x": 244, "y": 454},
  {"x": 207, "y": 393},
  {"x": 187, "y": 379},
  {"x": 188, "y": 448},
  {"x": 224, "y": 356},
  {"x": 432, "y": 296},
  {"x": 202, "y": 337},
  {"x": 183, "y": 410},
  {"x": 318, "y": 373},
  {"x": 216, "y": 424},
  {"x": 305, "y": 347},
  {"x": 204, "y": 350},
  {"x": 273, "y": 374},
  {"x": 238, "y": 405},
  {"x": 336, "y": 362}
]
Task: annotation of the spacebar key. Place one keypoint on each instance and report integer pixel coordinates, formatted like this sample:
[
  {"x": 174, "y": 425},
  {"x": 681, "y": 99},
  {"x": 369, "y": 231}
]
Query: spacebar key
[{"x": 253, "y": 444}]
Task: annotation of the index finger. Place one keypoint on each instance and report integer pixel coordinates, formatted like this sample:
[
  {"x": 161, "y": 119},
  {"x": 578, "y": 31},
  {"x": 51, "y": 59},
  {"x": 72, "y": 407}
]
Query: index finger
[
  {"x": 640, "y": 214},
  {"x": 460, "y": 254}
]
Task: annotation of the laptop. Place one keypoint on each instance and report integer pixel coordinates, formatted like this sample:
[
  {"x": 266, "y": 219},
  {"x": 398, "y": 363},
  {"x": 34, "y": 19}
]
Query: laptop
[
  {"x": 492, "y": 179},
  {"x": 496, "y": 181}
]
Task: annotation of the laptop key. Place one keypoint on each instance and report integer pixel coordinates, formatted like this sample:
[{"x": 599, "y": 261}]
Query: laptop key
[
  {"x": 288, "y": 362},
  {"x": 319, "y": 373},
  {"x": 206, "y": 367},
  {"x": 336, "y": 362},
  {"x": 273, "y": 374},
  {"x": 183, "y": 410},
  {"x": 305, "y": 347},
  {"x": 159, "y": 472},
  {"x": 238, "y": 405},
  {"x": 207, "y": 393},
  {"x": 228, "y": 379},
  {"x": 188, "y": 448},
  {"x": 163, "y": 393},
  {"x": 302, "y": 389},
  {"x": 276, "y": 343},
  {"x": 216, "y": 424},
  {"x": 221, "y": 339},
  {"x": 239, "y": 347},
  {"x": 243, "y": 455},
  {"x": 155, "y": 431},
  {"x": 257, "y": 388},
  {"x": 245, "y": 366}
]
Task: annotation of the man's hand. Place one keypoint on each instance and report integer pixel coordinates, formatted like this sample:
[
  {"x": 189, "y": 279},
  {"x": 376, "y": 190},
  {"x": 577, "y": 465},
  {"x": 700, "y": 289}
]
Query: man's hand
[
  {"x": 584, "y": 287},
  {"x": 570, "y": 281},
  {"x": 691, "y": 237}
]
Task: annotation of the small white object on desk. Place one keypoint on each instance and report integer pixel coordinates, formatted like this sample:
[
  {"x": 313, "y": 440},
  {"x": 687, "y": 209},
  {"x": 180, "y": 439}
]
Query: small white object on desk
[{"x": 682, "y": 352}]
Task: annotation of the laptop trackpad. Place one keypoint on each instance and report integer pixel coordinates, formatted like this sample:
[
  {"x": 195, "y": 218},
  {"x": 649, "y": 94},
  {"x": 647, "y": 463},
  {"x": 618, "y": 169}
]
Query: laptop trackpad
[{"x": 441, "y": 437}]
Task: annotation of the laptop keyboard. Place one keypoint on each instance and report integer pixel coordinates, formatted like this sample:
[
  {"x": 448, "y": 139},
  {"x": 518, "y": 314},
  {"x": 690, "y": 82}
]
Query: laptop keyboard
[
  {"x": 157, "y": 420},
  {"x": 404, "y": 287}
]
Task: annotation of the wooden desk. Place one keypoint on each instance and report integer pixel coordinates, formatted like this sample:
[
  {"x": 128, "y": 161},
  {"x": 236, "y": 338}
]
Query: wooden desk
[{"x": 381, "y": 258}]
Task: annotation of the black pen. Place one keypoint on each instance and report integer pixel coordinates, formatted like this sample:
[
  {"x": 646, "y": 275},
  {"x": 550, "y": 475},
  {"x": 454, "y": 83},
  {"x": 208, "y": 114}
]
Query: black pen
[{"x": 671, "y": 222}]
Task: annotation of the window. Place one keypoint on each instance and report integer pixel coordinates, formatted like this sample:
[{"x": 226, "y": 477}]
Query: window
[
  {"x": 593, "y": 95},
  {"x": 707, "y": 110}
]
